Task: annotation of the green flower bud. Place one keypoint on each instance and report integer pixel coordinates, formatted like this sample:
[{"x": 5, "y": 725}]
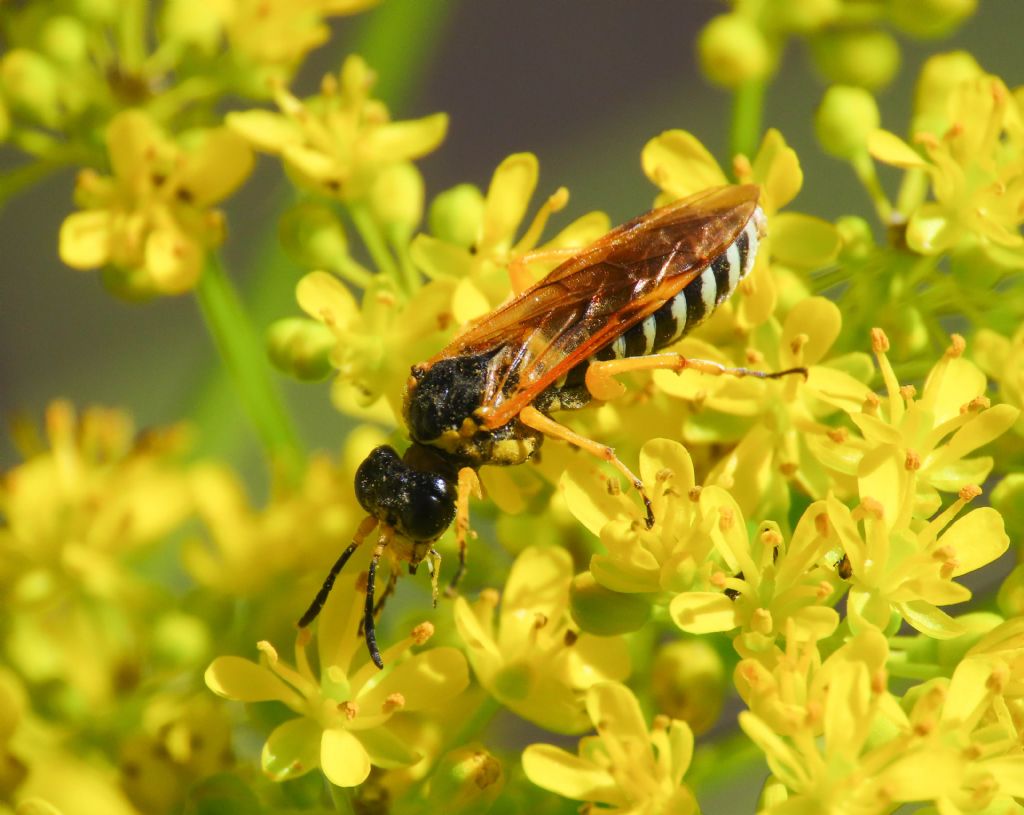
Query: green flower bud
[
  {"x": 396, "y": 197},
  {"x": 1008, "y": 499},
  {"x": 301, "y": 347},
  {"x": 976, "y": 625},
  {"x": 455, "y": 215},
  {"x": 688, "y": 682},
  {"x": 857, "y": 236},
  {"x": 930, "y": 18},
  {"x": 467, "y": 780},
  {"x": 65, "y": 40},
  {"x": 180, "y": 640},
  {"x": 802, "y": 17},
  {"x": 867, "y": 58},
  {"x": 732, "y": 50},
  {"x": 844, "y": 119},
  {"x": 313, "y": 236},
  {"x": 604, "y": 612},
  {"x": 31, "y": 84},
  {"x": 1010, "y": 598}
]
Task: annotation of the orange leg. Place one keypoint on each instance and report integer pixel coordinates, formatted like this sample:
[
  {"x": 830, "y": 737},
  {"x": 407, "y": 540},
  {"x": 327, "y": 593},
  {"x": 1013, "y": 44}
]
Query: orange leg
[
  {"x": 532, "y": 417},
  {"x": 519, "y": 273},
  {"x": 601, "y": 375},
  {"x": 468, "y": 484},
  {"x": 365, "y": 528}
]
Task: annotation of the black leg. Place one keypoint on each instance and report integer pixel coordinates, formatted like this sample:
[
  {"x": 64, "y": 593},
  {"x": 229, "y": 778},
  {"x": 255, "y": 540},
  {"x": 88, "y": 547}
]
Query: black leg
[
  {"x": 365, "y": 528},
  {"x": 368, "y": 621}
]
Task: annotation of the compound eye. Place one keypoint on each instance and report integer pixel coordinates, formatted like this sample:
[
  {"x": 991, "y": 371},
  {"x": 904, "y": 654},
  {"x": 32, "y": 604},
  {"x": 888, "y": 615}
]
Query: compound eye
[{"x": 430, "y": 507}]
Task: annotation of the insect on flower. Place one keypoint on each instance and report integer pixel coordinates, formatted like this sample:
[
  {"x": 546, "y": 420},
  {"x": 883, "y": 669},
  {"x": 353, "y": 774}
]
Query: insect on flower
[{"x": 488, "y": 396}]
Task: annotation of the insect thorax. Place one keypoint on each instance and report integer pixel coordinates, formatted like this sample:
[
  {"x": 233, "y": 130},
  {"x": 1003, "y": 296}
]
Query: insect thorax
[{"x": 441, "y": 408}]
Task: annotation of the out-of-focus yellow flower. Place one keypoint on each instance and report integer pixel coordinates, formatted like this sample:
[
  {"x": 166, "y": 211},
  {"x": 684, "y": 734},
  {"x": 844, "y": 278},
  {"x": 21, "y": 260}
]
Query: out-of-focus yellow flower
[
  {"x": 905, "y": 567},
  {"x": 976, "y": 170},
  {"x": 1002, "y": 359},
  {"x": 350, "y": 718},
  {"x": 297, "y": 532},
  {"x": 770, "y": 589},
  {"x": 914, "y": 447},
  {"x": 533, "y": 659},
  {"x": 680, "y": 165},
  {"x": 152, "y": 221},
  {"x": 689, "y": 682},
  {"x": 626, "y": 768},
  {"x": 72, "y": 514},
  {"x": 338, "y": 142},
  {"x": 479, "y": 269},
  {"x": 182, "y": 741}
]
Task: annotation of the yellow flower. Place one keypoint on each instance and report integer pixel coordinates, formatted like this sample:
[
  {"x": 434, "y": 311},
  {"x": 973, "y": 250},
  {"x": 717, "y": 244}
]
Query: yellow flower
[
  {"x": 534, "y": 660},
  {"x": 976, "y": 171},
  {"x": 152, "y": 221},
  {"x": 1002, "y": 359},
  {"x": 769, "y": 589},
  {"x": 914, "y": 447},
  {"x": 479, "y": 269},
  {"x": 772, "y": 423},
  {"x": 338, "y": 142},
  {"x": 906, "y": 567},
  {"x": 624, "y": 769},
  {"x": 72, "y": 514},
  {"x": 297, "y": 532},
  {"x": 351, "y": 717}
]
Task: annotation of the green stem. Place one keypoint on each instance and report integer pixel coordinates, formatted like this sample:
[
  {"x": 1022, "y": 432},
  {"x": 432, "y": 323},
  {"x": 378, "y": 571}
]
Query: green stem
[
  {"x": 400, "y": 243},
  {"x": 374, "y": 241},
  {"x": 248, "y": 367},
  {"x": 341, "y": 797},
  {"x": 747, "y": 109},
  {"x": 864, "y": 167}
]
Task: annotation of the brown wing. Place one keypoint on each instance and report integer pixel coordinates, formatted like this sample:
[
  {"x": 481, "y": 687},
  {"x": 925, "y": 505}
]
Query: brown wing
[{"x": 588, "y": 301}]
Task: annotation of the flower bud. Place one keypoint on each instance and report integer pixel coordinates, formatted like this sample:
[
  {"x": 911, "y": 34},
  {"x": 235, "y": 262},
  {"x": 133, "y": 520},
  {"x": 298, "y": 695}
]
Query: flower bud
[
  {"x": 867, "y": 58},
  {"x": 456, "y": 214},
  {"x": 396, "y": 197},
  {"x": 844, "y": 119},
  {"x": 930, "y": 18},
  {"x": 599, "y": 610},
  {"x": 732, "y": 50},
  {"x": 312, "y": 235},
  {"x": 64, "y": 40},
  {"x": 180, "y": 640},
  {"x": 688, "y": 682},
  {"x": 1010, "y": 598},
  {"x": 802, "y": 17},
  {"x": 939, "y": 76},
  {"x": 857, "y": 237},
  {"x": 976, "y": 625},
  {"x": 467, "y": 780},
  {"x": 301, "y": 347},
  {"x": 31, "y": 85}
]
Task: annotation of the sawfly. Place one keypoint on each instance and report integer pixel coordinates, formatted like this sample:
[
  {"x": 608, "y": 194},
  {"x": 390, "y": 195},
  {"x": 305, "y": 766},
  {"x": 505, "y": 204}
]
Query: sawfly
[{"x": 487, "y": 398}]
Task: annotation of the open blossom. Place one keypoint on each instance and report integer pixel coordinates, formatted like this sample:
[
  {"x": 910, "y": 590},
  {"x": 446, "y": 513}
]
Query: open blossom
[
  {"x": 626, "y": 769},
  {"x": 152, "y": 221},
  {"x": 532, "y": 658},
  {"x": 348, "y": 718}
]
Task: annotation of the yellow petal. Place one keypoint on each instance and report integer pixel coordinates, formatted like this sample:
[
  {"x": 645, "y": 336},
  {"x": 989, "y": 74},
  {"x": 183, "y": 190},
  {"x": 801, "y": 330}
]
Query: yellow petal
[
  {"x": 616, "y": 714},
  {"x": 930, "y": 230},
  {"x": 266, "y": 131},
  {"x": 677, "y": 162},
  {"x": 582, "y": 232},
  {"x": 891, "y": 149},
  {"x": 325, "y": 298},
  {"x": 803, "y": 241},
  {"x": 538, "y": 582},
  {"x": 84, "y": 241},
  {"x": 777, "y": 169},
  {"x": 508, "y": 196},
  {"x": 437, "y": 258},
  {"x": 424, "y": 680},
  {"x": 343, "y": 759},
  {"x": 291, "y": 750},
  {"x": 703, "y": 612},
  {"x": 978, "y": 538},
  {"x": 134, "y": 143},
  {"x": 660, "y": 455},
  {"x": 570, "y": 776},
  {"x": 819, "y": 320},
  {"x": 173, "y": 259},
  {"x": 929, "y": 620},
  {"x": 245, "y": 681},
  {"x": 468, "y": 302},
  {"x": 837, "y": 388},
  {"x": 218, "y": 167},
  {"x": 405, "y": 140}
]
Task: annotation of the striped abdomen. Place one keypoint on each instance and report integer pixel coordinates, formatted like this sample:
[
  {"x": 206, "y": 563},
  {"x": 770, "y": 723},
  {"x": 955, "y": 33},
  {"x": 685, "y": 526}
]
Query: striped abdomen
[{"x": 673, "y": 320}]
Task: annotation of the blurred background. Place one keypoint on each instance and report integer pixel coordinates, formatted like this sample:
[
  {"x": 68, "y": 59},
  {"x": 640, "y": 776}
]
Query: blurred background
[{"x": 581, "y": 83}]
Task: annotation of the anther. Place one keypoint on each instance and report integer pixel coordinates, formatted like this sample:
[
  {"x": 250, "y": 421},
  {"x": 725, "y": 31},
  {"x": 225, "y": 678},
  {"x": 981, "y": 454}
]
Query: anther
[{"x": 879, "y": 341}]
